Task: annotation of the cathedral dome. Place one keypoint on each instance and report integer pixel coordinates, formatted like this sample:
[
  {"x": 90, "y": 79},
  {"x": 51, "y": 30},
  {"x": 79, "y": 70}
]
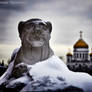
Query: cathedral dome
[
  {"x": 80, "y": 43},
  {"x": 90, "y": 54},
  {"x": 69, "y": 54}
]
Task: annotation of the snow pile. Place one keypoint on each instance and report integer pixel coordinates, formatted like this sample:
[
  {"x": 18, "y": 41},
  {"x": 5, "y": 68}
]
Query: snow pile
[
  {"x": 45, "y": 83},
  {"x": 55, "y": 68},
  {"x": 51, "y": 74}
]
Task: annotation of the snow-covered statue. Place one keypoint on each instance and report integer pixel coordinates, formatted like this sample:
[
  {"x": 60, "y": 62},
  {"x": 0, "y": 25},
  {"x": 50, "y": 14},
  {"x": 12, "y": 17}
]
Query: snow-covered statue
[
  {"x": 34, "y": 66},
  {"x": 35, "y": 35}
]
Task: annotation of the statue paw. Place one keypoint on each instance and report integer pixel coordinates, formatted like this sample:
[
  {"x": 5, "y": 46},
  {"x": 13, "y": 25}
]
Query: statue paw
[{"x": 19, "y": 70}]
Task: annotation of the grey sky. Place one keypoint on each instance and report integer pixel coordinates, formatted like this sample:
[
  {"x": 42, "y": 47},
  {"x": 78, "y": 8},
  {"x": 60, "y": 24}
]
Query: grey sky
[{"x": 68, "y": 17}]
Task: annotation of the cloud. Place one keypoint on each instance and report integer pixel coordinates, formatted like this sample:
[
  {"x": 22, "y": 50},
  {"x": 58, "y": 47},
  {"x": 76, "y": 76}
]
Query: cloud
[
  {"x": 64, "y": 7},
  {"x": 7, "y": 8},
  {"x": 68, "y": 17}
]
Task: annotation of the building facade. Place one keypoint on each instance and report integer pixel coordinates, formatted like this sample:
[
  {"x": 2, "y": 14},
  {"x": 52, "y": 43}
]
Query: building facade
[{"x": 81, "y": 60}]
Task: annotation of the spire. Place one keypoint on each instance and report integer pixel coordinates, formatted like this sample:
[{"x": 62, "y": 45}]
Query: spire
[{"x": 81, "y": 34}]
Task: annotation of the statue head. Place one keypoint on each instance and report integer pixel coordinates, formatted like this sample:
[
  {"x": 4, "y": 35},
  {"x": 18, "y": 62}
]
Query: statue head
[{"x": 34, "y": 32}]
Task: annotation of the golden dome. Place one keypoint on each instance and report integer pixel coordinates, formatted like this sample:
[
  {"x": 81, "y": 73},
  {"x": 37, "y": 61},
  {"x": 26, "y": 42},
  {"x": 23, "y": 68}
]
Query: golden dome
[
  {"x": 90, "y": 54},
  {"x": 69, "y": 54},
  {"x": 80, "y": 44}
]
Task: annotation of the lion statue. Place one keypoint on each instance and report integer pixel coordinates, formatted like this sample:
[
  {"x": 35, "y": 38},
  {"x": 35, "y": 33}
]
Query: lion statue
[{"x": 35, "y": 35}]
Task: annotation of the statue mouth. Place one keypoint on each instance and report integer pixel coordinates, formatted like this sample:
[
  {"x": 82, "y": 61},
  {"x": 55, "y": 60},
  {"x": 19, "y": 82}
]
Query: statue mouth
[{"x": 35, "y": 42}]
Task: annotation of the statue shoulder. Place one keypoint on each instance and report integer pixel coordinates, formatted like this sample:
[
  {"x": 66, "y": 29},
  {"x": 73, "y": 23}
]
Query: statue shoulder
[{"x": 14, "y": 53}]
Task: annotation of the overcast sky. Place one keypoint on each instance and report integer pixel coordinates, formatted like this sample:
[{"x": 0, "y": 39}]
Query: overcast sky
[{"x": 68, "y": 17}]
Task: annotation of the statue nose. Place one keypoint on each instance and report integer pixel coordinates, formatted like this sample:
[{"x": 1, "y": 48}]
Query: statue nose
[{"x": 37, "y": 31}]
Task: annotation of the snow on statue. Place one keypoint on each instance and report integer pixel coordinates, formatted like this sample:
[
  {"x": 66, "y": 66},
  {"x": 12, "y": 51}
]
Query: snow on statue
[{"x": 34, "y": 66}]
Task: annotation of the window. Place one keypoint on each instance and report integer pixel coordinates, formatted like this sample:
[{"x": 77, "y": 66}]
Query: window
[
  {"x": 74, "y": 55},
  {"x": 80, "y": 55},
  {"x": 77, "y": 55},
  {"x": 83, "y": 56}
]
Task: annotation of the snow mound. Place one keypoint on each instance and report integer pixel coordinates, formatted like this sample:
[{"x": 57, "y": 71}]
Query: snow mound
[
  {"x": 55, "y": 68},
  {"x": 51, "y": 74},
  {"x": 45, "y": 83}
]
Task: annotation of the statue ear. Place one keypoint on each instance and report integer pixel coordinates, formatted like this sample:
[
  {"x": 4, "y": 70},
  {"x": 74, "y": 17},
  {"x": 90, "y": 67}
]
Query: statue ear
[
  {"x": 49, "y": 25},
  {"x": 20, "y": 27}
]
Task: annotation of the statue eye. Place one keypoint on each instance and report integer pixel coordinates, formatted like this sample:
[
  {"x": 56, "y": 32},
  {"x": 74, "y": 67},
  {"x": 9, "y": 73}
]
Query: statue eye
[
  {"x": 30, "y": 25},
  {"x": 43, "y": 26}
]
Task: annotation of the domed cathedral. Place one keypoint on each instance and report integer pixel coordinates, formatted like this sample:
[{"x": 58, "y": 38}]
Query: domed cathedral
[
  {"x": 81, "y": 50},
  {"x": 81, "y": 59}
]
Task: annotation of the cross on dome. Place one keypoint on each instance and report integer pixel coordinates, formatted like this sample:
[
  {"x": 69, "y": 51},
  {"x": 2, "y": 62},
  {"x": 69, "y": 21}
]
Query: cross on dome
[
  {"x": 81, "y": 34},
  {"x": 81, "y": 43}
]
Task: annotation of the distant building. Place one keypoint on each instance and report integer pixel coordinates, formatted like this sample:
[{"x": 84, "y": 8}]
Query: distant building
[{"x": 81, "y": 60}]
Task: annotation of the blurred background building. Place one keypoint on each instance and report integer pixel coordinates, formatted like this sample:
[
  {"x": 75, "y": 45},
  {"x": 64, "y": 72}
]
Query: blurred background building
[{"x": 81, "y": 59}]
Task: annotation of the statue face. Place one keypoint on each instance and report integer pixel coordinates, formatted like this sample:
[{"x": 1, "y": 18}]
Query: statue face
[{"x": 35, "y": 34}]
